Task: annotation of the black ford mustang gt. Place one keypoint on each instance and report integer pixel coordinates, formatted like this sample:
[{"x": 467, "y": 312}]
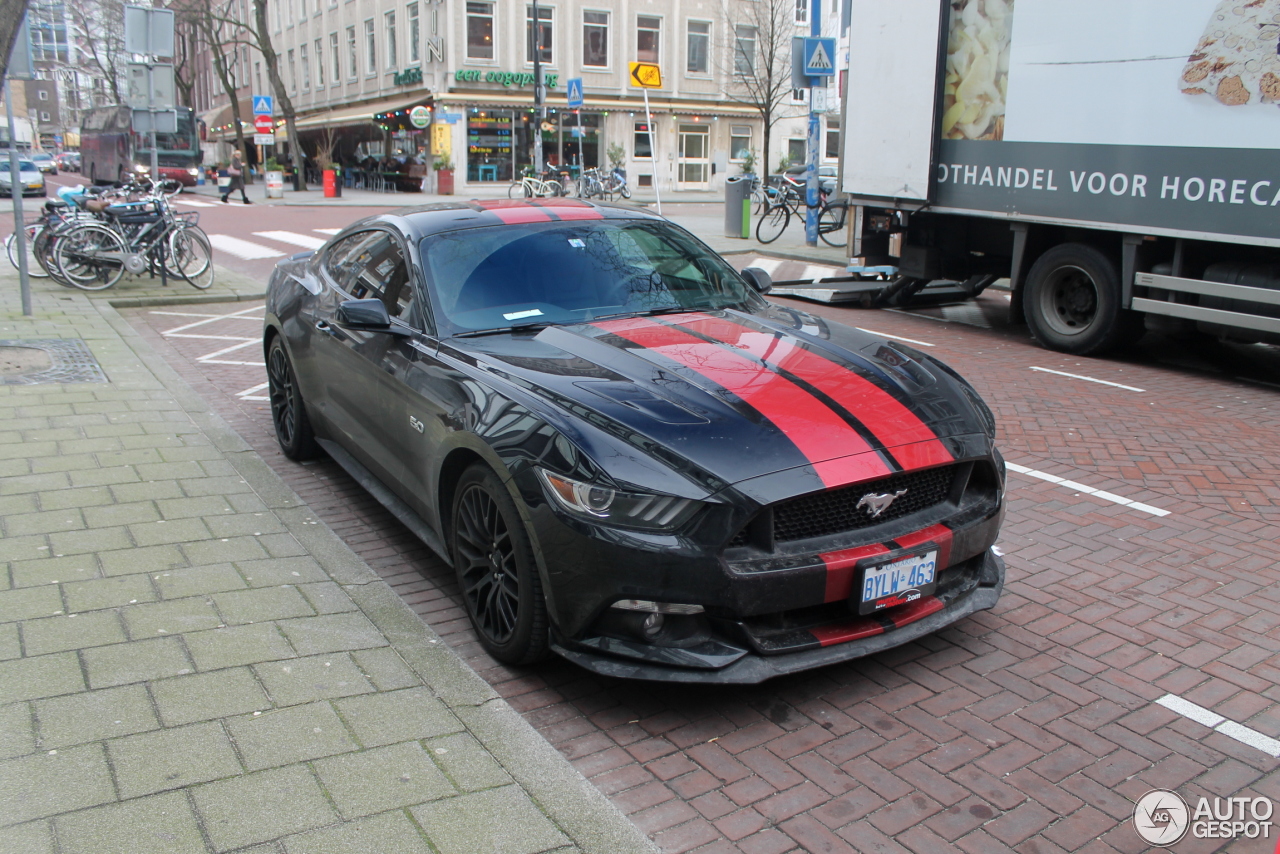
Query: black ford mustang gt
[{"x": 629, "y": 456}]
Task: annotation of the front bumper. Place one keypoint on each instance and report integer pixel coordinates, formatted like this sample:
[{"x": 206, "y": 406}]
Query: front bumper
[{"x": 983, "y": 581}]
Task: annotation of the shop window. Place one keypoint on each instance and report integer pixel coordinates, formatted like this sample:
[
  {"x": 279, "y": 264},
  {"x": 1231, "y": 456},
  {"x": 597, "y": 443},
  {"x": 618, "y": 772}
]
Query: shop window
[
  {"x": 744, "y": 51},
  {"x": 389, "y": 25},
  {"x": 699, "y": 47},
  {"x": 648, "y": 36},
  {"x": 739, "y": 141},
  {"x": 595, "y": 39},
  {"x": 641, "y": 145},
  {"x": 479, "y": 30},
  {"x": 415, "y": 45},
  {"x": 545, "y": 22},
  {"x": 370, "y": 47}
]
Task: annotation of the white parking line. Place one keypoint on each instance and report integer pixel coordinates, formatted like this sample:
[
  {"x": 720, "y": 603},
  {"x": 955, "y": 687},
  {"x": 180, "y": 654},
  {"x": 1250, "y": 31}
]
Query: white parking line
[
  {"x": 210, "y": 318},
  {"x": 895, "y": 337},
  {"x": 327, "y": 230},
  {"x": 1218, "y": 723},
  {"x": 766, "y": 264},
  {"x": 306, "y": 241},
  {"x": 1087, "y": 490},
  {"x": 1087, "y": 379},
  {"x": 242, "y": 248},
  {"x": 249, "y": 393}
]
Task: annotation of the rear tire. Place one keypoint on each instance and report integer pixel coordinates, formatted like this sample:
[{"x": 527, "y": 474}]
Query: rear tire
[
  {"x": 496, "y": 571},
  {"x": 773, "y": 222},
  {"x": 79, "y": 257},
  {"x": 288, "y": 412},
  {"x": 1072, "y": 302}
]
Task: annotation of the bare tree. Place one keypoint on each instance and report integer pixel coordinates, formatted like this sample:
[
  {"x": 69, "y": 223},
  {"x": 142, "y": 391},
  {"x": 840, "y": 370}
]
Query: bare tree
[
  {"x": 99, "y": 26},
  {"x": 11, "y": 12},
  {"x": 757, "y": 60},
  {"x": 262, "y": 41},
  {"x": 222, "y": 35}
]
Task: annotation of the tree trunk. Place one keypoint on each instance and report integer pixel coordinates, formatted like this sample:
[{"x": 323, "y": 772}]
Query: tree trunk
[{"x": 272, "y": 61}]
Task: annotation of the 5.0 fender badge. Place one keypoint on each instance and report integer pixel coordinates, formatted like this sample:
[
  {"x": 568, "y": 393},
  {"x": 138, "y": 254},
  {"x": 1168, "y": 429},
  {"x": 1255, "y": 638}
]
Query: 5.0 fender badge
[
  {"x": 415, "y": 424},
  {"x": 878, "y": 503}
]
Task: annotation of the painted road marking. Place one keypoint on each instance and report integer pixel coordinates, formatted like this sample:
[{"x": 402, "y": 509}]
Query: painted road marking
[
  {"x": 766, "y": 264},
  {"x": 895, "y": 337},
  {"x": 306, "y": 241},
  {"x": 251, "y": 393},
  {"x": 1087, "y": 379},
  {"x": 242, "y": 248},
  {"x": 210, "y": 318},
  {"x": 1087, "y": 490},
  {"x": 194, "y": 203},
  {"x": 327, "y": 230},
  {"x": 1218, "y": 723},
  {"x": 817, "y": 271}
]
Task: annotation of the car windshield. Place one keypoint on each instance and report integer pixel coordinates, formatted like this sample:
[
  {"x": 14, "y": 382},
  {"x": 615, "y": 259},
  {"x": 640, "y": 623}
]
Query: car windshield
[
  {"x": 42, "y": 157},
  {"x": 23, "y": 166},
  {"x": 573, "y": 272}
]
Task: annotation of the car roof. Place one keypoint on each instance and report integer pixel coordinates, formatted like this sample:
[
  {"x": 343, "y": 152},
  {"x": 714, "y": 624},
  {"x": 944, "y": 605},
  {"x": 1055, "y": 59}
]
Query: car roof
[{"x": 422, "y": 221}]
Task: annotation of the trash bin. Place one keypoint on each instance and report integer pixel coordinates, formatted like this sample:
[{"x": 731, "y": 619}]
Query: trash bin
[
  {"x": 275, "y": 185},
  {"x": 332, "y": 184},
  {"x": 737, "y": 206}
]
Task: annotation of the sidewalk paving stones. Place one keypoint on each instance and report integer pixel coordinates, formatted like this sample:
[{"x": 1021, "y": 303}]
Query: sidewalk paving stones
[{"x": 190, "y": 663}]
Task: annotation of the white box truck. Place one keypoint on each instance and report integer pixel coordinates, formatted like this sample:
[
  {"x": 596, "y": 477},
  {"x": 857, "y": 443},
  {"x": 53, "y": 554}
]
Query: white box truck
[{"x": 1117, "y": 160}]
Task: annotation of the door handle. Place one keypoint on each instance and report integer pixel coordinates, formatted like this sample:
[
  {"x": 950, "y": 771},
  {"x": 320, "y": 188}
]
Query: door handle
[{"x": 324, "y": 326}]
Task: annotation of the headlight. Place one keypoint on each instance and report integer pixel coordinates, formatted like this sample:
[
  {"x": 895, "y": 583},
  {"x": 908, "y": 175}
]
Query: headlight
[
  {"x": 140, "y": 168},
  {"x": 643, "y": 510},
  {"x": 193, "y": 172}
]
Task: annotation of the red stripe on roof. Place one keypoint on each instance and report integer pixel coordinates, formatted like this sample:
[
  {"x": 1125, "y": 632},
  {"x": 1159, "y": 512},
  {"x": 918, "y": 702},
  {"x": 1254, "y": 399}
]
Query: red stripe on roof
[
  {"x": 887, "y": 418},
  {"x": 842, "y": 567},
  {"x": 518, "y": 215},
  {"x": 814, "y": 428}
]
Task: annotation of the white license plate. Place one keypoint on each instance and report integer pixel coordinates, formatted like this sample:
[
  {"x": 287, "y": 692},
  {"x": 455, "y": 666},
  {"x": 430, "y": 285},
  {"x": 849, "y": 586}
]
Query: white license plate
[{"x": 904, "y": 580}]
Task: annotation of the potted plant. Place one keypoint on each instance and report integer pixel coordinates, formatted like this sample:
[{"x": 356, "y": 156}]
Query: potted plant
[{"x": 444, "y": 175}]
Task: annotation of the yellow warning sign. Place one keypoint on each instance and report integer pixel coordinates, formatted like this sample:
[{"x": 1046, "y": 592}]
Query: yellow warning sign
[{"x": 646, "y": 75}]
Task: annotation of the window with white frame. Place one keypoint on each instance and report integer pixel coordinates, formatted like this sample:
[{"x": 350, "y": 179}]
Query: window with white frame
[
  {"x": 44, "y": 116},
  {"x": 302, "y": 10},
  {"x": 306, "y": 68},
  {"x": 744, "y": 50},
  {"x": 802, "y": 11},
  {"x": 370, "y": 47},
  {"x": 275, "y": 8},
  {"x": 319, "y": 64},
  {"x": 799, "y": 96},
  {"x": 288, "y": 13},
  {"x": 698, "y": 47},
  {"x": 257, "y": 77},
  {"x": 351, "y": 52},
  {"x": 335, "y": 58},
  {"x": 595, "y": 39},
  {"x": 293, "y": 73},
  {"x": 642, "y": 144},
  {"x": 389, "y": 26},
  {"x": 739, "y": 142},
  {"x": 479, "y": 30},
  {"x": 545, "y": 15},
  {"x": 415, "y": 29},
  {"x": 648, "y": 38},
  {"x": 44, "y": 94}
]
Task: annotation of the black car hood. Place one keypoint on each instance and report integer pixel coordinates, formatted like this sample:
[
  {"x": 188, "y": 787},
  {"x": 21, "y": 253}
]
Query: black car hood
[{"x": 739, "y": 395}]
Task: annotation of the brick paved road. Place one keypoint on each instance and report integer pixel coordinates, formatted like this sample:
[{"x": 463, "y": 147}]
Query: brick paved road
[{"x": 1031, "y": 727}]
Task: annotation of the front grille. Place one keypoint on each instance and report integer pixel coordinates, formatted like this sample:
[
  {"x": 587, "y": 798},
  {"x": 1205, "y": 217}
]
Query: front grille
[{"x": 837, "y": 510}]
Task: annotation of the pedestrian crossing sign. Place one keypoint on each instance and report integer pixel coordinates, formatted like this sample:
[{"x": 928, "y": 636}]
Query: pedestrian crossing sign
[
  {"x": 819, "y": 57},
  {"x": 262, "y": 105},
  {"x": 573, "y": 88}
]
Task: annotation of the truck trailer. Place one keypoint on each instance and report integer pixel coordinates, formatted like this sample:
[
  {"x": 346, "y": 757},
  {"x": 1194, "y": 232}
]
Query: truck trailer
[{"x": 1118, "y": 161}]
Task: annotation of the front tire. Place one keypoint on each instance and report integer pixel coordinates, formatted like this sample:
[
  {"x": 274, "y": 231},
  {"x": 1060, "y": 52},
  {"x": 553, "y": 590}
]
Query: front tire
[
  {"x": 288, "y": 413},
  {"x": 496, "y": 571},
  {"x": 1072, "y": 302},
  {"x": 773, "y": 222}
]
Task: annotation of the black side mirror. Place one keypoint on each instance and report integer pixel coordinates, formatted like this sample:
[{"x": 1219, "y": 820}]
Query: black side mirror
[
  {"x": 369, "y": 315},
  {"x": 758, "y": 279}
]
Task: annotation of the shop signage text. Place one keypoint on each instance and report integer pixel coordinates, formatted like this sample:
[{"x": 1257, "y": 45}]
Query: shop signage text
[
  {"x": 409, "y": 75},
  {"x": 506, "y": 78}
]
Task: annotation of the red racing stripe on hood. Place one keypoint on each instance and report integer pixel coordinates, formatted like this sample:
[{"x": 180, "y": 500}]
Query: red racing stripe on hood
[
  {"x": 834, "y": 449},
  {"x": 880, "y": 412}
]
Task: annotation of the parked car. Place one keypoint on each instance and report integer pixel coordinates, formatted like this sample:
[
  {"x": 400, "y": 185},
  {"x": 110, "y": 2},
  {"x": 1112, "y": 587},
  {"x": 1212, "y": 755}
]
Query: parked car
[
  {"x": 629, "y": 456},
  {"x": 44, "y": 162},
  {"x": 826, "y": 176},
  {"x": 30, "y": 178},
  {"x": 69, "y": 161}
]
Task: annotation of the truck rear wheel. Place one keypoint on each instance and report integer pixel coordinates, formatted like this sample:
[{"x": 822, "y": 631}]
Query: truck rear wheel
[{"x": 1072, "y": 302}]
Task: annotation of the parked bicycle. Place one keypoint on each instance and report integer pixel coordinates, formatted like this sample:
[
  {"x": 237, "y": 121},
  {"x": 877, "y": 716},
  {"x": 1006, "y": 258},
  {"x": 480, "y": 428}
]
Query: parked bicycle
[
  {"x": 530, "y": 185},
  {"x": 615, "y": 184},
  {"x": 784, "y": 200}
]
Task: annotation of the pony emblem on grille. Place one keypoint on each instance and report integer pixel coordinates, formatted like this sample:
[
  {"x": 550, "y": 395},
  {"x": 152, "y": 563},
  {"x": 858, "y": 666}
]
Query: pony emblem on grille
[{"x": 878, "y": 503}]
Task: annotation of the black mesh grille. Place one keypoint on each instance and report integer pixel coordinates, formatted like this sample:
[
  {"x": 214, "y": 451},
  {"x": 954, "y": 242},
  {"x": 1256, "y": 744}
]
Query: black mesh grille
[{"x": 837, "y": 510}]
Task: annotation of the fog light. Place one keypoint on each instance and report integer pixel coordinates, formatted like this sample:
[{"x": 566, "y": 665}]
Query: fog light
[{"x": 652, "y": 626}]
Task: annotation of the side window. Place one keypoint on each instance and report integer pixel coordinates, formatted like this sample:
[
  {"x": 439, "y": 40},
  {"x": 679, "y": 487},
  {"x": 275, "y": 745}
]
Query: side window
[{"x": 372, "y": 265}]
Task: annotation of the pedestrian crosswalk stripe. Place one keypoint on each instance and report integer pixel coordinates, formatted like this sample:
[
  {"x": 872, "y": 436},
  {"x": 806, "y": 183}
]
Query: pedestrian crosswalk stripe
[
  {"x": 185, "y": 201},
  {"x": 242, "y": 248},
  {"x": 327, "y": 230},
  {"x": 306, "y": 241}
]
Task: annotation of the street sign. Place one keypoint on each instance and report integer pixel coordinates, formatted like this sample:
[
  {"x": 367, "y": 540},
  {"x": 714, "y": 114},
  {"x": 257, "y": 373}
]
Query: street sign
[
  {"x": 573, "y": 88},
  {"x": 819, "y": 57},
  {"x": 646, "y": 75},
  {"x": 148, "y": 31},
  {"x": 264, "y": 139},
  {"x": 262, "y": 105},
  {"x": 165, "y": 121},
  {"x": 263, "y": 124},
  {"x": 159, "y": 94}
]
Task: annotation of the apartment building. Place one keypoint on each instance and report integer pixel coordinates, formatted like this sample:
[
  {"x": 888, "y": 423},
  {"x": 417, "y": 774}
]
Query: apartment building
[{"x": 356, "y": 69}]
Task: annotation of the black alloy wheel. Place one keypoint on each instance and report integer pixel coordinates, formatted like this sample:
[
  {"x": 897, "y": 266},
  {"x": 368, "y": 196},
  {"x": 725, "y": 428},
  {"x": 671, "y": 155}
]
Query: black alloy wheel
[
  {"x": 288, "y": 414},
  {"x": 495, "y": 566}
]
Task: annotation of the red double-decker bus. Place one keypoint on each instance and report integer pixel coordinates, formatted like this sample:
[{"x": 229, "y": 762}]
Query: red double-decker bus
[{"x": 111, "y": 151}]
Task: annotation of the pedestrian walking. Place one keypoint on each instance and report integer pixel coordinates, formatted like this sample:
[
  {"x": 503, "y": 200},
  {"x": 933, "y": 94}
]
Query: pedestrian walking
[{"x": 236, "y": 172}]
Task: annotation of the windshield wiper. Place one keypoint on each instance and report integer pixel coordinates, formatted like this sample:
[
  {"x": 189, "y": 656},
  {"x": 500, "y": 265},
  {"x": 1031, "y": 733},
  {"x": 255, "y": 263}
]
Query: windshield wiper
[
  {"x": 498, "y": 330},
  {"x": 671, "y": 309}
]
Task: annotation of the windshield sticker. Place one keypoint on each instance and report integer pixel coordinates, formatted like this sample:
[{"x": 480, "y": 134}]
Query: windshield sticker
[
  {"x": 576, "y": 243},
  {"x": 516, "y": 315}
]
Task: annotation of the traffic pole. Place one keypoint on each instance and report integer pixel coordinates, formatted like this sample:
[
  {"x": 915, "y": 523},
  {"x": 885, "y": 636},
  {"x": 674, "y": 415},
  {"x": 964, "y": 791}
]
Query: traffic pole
[
  {"x": 653, "y": 151},
  {"x": 15, "y": 191},
  {"x": 811, "y": 168}
]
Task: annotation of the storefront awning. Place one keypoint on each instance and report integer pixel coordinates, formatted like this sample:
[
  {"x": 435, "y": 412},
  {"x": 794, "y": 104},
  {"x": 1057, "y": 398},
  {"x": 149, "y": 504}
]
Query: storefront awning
[
  {"x": 363, "y": 114},
  {"x": 683, "y": 106},
  {"x": 220, "y": 117}
]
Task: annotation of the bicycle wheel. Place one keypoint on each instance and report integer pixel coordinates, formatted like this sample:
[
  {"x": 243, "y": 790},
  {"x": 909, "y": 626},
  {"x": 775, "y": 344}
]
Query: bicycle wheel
[
  {"x": 625, "y": 191},
  {"x": 190, "y": 257},
  {"x": 34, "y": 267},
  {"x": 831, "y": 224},
  {"x": 91, "y": 257},
  {"x": 46, "y": 248},
  {"x": 517, "y": 190},
  {"x": 772, "y": 223}
]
